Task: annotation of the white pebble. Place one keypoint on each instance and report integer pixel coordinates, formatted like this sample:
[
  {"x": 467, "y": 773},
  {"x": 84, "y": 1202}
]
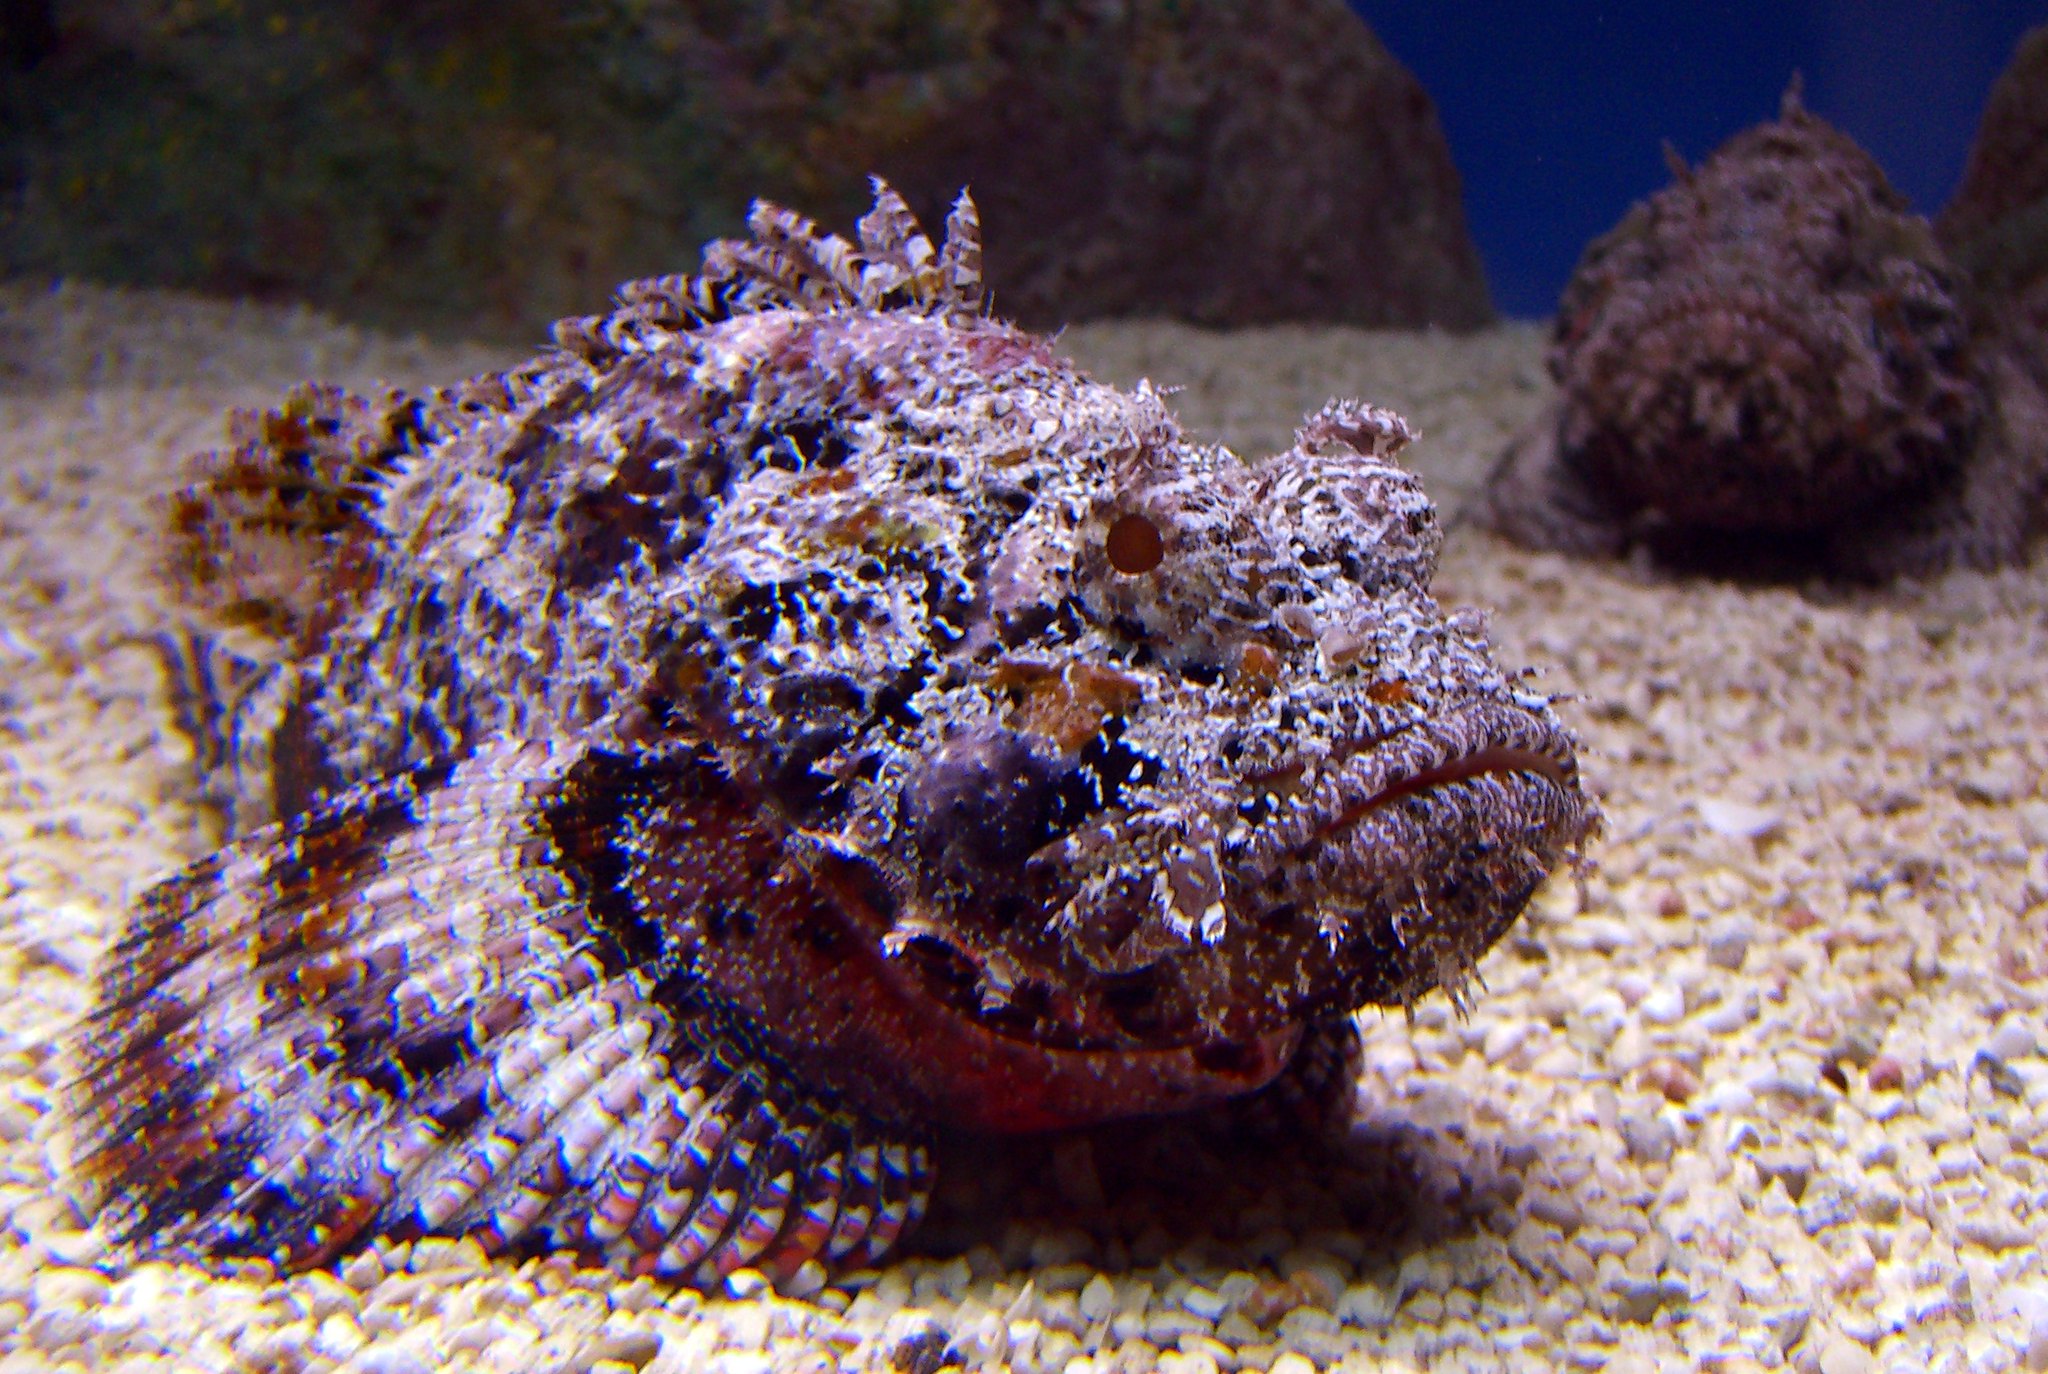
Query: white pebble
[
  {"x": 1844, "y": 1356},
  {"x": 1738, "y": 820},
  {"x": 364, "y": 1272},
  {"x": 82, "y": 1289},
  {"x": 746, "y": 1283},
  {"x": 1650, "y": 1139},
  {"x": 1732, "y": 1015},
  {"x": 17, "y": 1121},
  {"x": 338, "y": 1337},
  {"x": 1502, "y": 1039},
  {"x": 1663, "y": 1005},
  {"x": 2012, "y": 1039},
  {"x": 394, "y": 1358},
  {"x": 1205, "y": 1303},
  {"x": 1601, "y": 934},
  {"x": 1367, "y": 1305},
  {"x": 1594, "y": 1023},
  {"x": 1392, "y": 1060},
  {"x": 1098, "y": 1298}
]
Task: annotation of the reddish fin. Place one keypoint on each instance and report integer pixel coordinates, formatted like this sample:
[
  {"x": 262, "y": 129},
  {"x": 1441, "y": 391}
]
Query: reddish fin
[{"x": 399, "y": 1014}]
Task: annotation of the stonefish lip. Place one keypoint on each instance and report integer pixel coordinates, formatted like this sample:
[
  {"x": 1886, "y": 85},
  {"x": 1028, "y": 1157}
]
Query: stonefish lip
[
  {"x": 1500, "y": 759},
  {"x": 1410, "y": 852},
  {"x": 1366, "y": 774}
]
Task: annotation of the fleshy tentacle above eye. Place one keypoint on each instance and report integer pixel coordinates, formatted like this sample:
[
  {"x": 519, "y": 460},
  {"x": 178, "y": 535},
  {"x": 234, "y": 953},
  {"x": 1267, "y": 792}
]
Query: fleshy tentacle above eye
[{"x": 399, "y": 1014}]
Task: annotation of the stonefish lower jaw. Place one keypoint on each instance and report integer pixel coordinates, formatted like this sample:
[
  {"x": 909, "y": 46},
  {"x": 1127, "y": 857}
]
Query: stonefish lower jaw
[{"x": 1375, "y": 874}]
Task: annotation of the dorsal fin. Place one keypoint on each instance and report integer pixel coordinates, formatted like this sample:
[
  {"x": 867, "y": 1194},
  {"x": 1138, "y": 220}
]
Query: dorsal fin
[
  {"x": 899, "y": 256},
  {"x": 1792, "y": 104},
  {"x": 789, "y": 263},
  {"x": 960, "y": 259},
  {"x": 815, "y": 270},
  {"x": 1674, "y": 163}
]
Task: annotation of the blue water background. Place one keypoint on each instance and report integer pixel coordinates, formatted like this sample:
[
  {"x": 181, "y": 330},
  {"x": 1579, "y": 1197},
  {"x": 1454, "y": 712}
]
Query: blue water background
[{"x": 1556, "y": 113}]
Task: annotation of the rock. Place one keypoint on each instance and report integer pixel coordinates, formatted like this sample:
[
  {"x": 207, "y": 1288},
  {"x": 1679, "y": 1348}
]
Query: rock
[
  {"x": 79, "y": 1289},
  {"x": 1828, "y": 1203},
  {"x": 1593, "y": 1024},
  {"x": 1732, "y": 1015},
  {"x": 1650, "y": 1139},
  {"x": 1205, "y": 1303},
  {"x": 1792, "y": 1168},
  {"x": 628, "y": 1345},
  {"x": 363, "y": 1271},
  {"x": 1557, "y": 1207},
  {"x": 1069, "y": 1276},
  {"x": 1841, "y": 1356},
  {"x": 1728, "y": 941},
  {"x": 320, "y": 1295},
  {"x": 1367, "y": 1305},
  {"x": 2012, "y": 1038},
  {"x": 1992, "y": 784},
  {"x": 2003, "y": 1078},
  {"x": 1504, "y": 1038},
  {"x": 2028, "y": 1302},
  {"x": 17, "y": 1121},
  {"x": 391, "y": 1359},
  {"x": 1638, "y": 1300},
  {"x": 1671, "y": 1077},
  {"x": 1994, "y": 1231},
  {"x": 1098, "y": 1298},
  {"x": 1788, "y": 1324},
  {"x": 1886, "y": 1074},
  {"x": 1168, "y": 1325},
  {"x": 524, "y": 159},
  {"x": 1996, "y": 224}
]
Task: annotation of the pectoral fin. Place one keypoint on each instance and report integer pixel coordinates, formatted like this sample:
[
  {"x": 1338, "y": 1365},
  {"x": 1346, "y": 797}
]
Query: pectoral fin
[{"x": 412, "y": 1011}]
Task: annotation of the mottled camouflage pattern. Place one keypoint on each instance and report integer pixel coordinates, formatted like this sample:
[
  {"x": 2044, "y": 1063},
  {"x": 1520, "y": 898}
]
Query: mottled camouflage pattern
[{"x": 798, "y": 714}]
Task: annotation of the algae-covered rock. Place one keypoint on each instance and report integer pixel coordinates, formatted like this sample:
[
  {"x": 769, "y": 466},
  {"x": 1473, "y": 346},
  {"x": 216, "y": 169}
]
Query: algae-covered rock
[
  {"x": 1997, "y": 223},
  {"x": 484, "y": 167}
]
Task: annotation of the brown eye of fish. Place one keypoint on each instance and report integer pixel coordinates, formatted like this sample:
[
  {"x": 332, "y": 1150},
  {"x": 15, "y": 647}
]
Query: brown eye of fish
[{"x": 1134, "y": 545}]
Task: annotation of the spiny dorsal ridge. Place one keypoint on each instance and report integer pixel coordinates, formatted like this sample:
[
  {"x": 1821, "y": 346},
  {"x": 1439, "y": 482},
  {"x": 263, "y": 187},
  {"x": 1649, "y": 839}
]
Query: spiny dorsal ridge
[
  {"x": 899, "y": 256},
  {"x": 789, "y": 263},
  {"x": 820, "y": 269},
  {"x": 960, "y": 290}
]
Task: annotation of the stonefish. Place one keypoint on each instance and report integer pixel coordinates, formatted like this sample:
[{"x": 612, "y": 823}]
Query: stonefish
[
  {"x": 1774, "y": 364},
  {"x": 793, "y": 716}
]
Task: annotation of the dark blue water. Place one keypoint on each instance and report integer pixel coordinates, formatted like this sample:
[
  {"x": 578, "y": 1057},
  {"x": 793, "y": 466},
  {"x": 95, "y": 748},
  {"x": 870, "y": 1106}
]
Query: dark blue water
[{"x": 1557, "y": 113}]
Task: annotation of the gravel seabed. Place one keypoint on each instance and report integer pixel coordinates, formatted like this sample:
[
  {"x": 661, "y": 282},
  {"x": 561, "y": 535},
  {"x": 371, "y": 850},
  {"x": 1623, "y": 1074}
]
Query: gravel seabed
[{"x": 1761, "y": 1087}]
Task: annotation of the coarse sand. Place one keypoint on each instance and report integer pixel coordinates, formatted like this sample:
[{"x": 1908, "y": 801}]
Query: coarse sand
[{"x": 1762, "y": 1086}]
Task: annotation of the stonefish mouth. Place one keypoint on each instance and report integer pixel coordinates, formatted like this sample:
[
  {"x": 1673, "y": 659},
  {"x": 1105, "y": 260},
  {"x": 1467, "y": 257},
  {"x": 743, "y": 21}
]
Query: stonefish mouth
[
  {"x": 1495, "y": 758},
  {"x": 1379, "y": 874}
]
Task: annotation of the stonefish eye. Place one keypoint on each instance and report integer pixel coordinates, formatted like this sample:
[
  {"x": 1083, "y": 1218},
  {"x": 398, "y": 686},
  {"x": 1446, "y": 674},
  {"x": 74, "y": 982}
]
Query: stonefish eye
[{"x": 1134, "y": 545}]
